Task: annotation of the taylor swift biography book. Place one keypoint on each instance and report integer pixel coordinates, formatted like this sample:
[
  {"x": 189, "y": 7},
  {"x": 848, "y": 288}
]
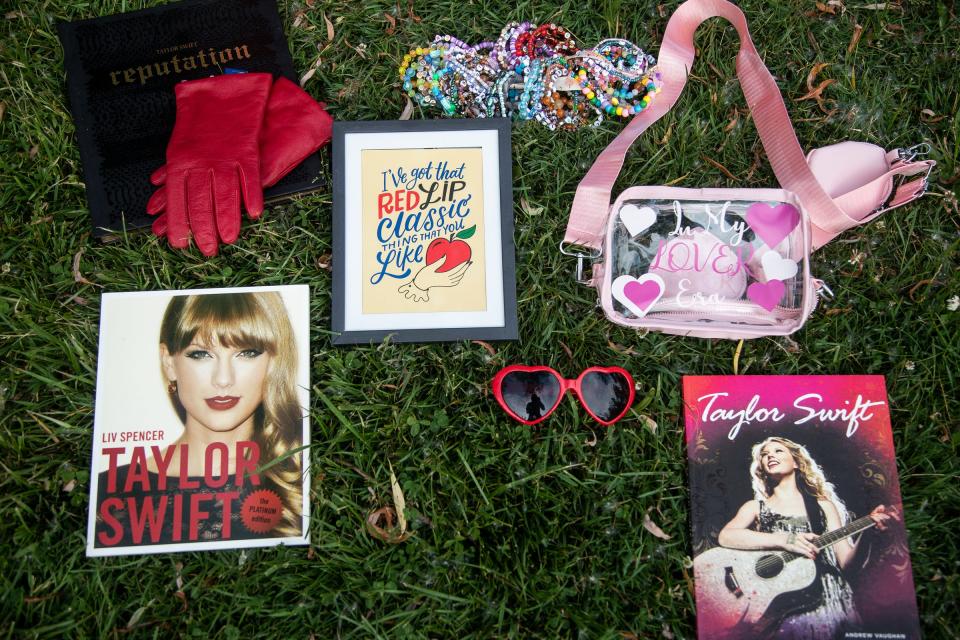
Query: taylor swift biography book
[
  {"x": 121, "y": 71},
  {"x": 796, "y": 511},
  {"x": 200, "y": 421}
]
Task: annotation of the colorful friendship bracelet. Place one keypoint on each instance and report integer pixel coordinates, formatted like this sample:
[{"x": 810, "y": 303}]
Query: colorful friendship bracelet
[{"x": 532, "y": 73}]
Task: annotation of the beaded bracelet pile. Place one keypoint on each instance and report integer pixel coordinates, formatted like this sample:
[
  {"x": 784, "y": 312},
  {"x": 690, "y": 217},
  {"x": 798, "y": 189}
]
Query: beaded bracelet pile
[{"x": 532, "y": 73}]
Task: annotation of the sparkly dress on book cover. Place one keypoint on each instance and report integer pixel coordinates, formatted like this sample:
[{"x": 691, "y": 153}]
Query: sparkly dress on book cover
[
  {"x": 795, "y": 509},
  {"x": 200, "y": 421}
]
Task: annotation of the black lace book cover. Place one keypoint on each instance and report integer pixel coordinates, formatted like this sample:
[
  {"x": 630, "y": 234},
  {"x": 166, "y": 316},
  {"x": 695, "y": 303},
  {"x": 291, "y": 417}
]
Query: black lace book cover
[
  {"x": 121, "y": 70},
  {"x": 796, "y": 511}
]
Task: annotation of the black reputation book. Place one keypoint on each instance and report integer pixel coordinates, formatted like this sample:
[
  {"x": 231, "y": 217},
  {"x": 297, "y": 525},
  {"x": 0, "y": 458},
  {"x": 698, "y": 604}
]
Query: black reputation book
[{"x": 121, "y": 71}]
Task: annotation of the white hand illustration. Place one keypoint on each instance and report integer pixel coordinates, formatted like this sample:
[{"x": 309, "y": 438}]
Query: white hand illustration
[{"x": 427, "y": 278}]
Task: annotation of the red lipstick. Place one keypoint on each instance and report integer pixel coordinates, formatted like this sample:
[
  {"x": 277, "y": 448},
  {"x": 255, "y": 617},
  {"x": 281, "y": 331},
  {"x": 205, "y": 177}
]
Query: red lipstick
[{"x": 222, "y": 403}]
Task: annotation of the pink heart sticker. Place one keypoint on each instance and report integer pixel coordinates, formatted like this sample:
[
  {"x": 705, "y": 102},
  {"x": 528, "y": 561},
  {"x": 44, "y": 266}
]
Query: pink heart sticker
[
  {"x": 772, "y": 224},
  {"x": 767, "y": 294},
  {"x": 638, "y": 294}
]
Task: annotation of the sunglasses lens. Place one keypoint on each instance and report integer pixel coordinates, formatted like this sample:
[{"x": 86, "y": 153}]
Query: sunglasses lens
[
  {"x": 605, "y": 394},
  {"x": 530, "y": 394}
]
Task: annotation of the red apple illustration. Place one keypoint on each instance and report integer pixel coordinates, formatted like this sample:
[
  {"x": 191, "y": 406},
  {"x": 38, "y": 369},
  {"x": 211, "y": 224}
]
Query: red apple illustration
[{"x": 456, "y": 251}]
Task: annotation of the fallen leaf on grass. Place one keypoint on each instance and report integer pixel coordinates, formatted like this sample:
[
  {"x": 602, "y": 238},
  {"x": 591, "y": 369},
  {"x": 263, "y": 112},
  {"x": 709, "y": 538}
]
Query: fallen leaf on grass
[
  {"x": 3, "y": 110},
  {"x": 529, "y": 209},
  {"x": 949, "y": 181},
  {"x": 816, "y": 93},
  {"x": 13, "y": 15},
  {"x": 380, "y": 524},
  {"x": 666, "y": 136},
  {"x": 922, "y": 283},
  {"x": 330, "y": 32},
  {"x": 36, "y": 599},
  {"x": 792, "y": 345},
  {"x": 855, "y": 38},
  {"x": 825, "y": 8},
  {"x": 411, "y": 15},
  {"x": 69, "y": 486},
  {"x": 665, "y": 631},
  {"x": 838, "y": 310},
  {"x": 733, "y": 121},
  {"x": 393, "y": 24},
  {"x": 135, "y": 618},
  {"x": 34, "y": 150},
  {"x": 407, "y": 110},
  {"x": 928, "y": 116},
  {"x": 592, "y": 440},
  {"x": 399, "y": 502},
  {"x": 325, "y": 261},
  {"x": 757, "y": 160},
  {"x": 299, "y": 18},
  {"x": 649, "y": 423},
  {"x": 566, "y": 349},
  {"x": 487, "y": 346},
  {"x": 652, "y": 527},
  {"x": 619, "y": 348},
  {"x": 306, "y": 77},
  {"x": 77, "y": 277},
  {"x": 722, "y": 168}
]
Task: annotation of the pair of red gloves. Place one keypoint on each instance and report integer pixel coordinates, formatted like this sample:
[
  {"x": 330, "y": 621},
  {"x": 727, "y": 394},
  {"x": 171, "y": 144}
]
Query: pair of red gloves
[{"x": 234, "y": 135}]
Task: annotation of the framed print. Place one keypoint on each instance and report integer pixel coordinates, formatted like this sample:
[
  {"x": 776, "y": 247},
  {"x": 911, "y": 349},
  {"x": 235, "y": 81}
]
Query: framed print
[{"x": 423, "y": 231}]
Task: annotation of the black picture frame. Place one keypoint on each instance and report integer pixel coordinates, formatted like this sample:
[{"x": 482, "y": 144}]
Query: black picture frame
[{"x": 345, "y": 322}]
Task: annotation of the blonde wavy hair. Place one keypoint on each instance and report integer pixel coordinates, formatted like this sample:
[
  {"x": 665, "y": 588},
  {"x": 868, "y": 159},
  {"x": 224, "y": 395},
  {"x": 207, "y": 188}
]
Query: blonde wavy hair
[
  {"x": 808, "y": 473},
  {"x": 254, "y": 320}
]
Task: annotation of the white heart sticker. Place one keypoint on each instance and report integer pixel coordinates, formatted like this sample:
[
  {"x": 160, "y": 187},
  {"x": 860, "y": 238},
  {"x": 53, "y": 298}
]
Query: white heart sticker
[
  {"x": 777, "y": 268},
  {"x": 637, "y": 219}
]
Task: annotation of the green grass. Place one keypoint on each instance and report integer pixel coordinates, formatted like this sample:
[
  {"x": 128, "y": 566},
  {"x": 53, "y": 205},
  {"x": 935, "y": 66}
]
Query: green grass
[{"x": 517, "y": 533}]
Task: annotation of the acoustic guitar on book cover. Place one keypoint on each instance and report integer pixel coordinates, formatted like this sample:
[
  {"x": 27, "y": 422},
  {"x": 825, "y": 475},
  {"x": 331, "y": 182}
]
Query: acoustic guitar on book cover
[{"x": 752, "y": 591}]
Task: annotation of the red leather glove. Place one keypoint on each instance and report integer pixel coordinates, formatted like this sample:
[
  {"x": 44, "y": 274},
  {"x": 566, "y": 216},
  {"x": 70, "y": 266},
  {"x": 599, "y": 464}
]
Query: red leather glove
[
  {"x": 213, "y": 158},
  {"x": 294, "y": 126}
]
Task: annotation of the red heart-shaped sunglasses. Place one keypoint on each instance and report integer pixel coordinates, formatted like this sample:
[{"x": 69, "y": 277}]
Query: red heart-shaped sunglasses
[{"x": 530, "y": 394}]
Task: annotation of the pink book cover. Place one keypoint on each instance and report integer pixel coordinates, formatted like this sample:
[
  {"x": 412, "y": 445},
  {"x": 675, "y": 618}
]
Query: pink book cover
[{"x": 796, "y": 514}]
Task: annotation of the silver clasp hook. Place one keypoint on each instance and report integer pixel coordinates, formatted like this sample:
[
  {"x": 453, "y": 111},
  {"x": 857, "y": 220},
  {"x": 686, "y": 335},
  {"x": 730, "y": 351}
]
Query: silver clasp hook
[
  {"x": 581, "y": 257},
  {"x": 912, "y": 153}
]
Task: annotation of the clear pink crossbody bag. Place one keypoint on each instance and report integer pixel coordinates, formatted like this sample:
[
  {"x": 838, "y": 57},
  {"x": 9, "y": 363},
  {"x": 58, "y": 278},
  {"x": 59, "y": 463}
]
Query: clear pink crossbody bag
[{"x": 727, "y": 263}]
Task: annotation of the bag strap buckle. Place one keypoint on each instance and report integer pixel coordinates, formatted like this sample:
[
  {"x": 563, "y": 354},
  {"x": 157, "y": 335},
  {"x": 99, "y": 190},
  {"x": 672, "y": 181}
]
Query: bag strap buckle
[
  {"x": 910, "y": 154},
  {"x": 582, "y": 254}
]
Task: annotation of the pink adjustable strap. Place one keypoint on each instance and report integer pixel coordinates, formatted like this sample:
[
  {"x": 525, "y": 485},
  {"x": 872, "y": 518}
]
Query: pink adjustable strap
[{"x": 591, "y": 203}]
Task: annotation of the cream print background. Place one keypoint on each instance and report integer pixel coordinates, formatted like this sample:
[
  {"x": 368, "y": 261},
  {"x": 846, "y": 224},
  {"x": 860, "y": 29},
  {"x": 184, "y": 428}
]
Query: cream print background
[{"x": 387, "y": 175}]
